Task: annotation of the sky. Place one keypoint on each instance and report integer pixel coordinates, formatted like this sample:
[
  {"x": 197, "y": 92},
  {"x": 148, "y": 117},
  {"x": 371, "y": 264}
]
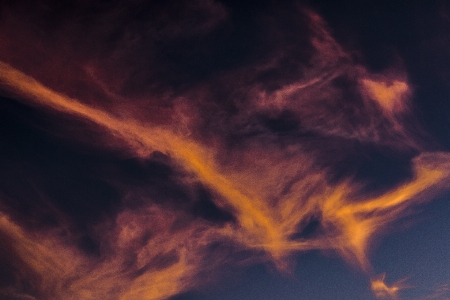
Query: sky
[{"x": 217, "y": 150}]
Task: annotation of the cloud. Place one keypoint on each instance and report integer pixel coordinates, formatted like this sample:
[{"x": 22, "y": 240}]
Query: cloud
[
  {"x": 384, "y": 291},
  {"x": 266, "y": 155}
]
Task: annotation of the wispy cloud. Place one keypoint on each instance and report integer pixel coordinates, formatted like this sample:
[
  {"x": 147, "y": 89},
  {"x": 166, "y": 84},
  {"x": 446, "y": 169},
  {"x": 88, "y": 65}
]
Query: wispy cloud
[{"x": 256, "y": 150}]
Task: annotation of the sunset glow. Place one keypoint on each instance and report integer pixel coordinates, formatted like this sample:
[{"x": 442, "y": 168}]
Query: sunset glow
[{"x": 143, "y": 178}]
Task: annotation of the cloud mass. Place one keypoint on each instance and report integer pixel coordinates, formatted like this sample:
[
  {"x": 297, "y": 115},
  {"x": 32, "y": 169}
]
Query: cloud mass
[{"x": 150, "y": 145}]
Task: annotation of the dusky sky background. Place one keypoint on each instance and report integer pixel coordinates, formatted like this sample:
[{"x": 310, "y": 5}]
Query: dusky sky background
[{"x": 216, "y": 150}]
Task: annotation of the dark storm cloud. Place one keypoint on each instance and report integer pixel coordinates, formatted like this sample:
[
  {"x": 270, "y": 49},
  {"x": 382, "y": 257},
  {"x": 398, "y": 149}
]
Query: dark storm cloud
[{"x": 148, "y": 143}]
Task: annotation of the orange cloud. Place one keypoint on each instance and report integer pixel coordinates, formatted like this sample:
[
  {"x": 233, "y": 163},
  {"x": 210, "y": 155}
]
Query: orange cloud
[
  {"x": 268, "y": 213},
  {"x": 384, "y": 291},
  {"x": 272, "y": 183},
  {"x": 390, "y": 96}
]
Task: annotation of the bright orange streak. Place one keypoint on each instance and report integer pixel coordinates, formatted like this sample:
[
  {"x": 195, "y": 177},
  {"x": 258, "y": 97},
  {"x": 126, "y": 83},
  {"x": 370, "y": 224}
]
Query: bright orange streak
[
  {"x": 357, "y": 222},
  {"x": 254, "y": 214},
  {"x": 261, "y": 229}
]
